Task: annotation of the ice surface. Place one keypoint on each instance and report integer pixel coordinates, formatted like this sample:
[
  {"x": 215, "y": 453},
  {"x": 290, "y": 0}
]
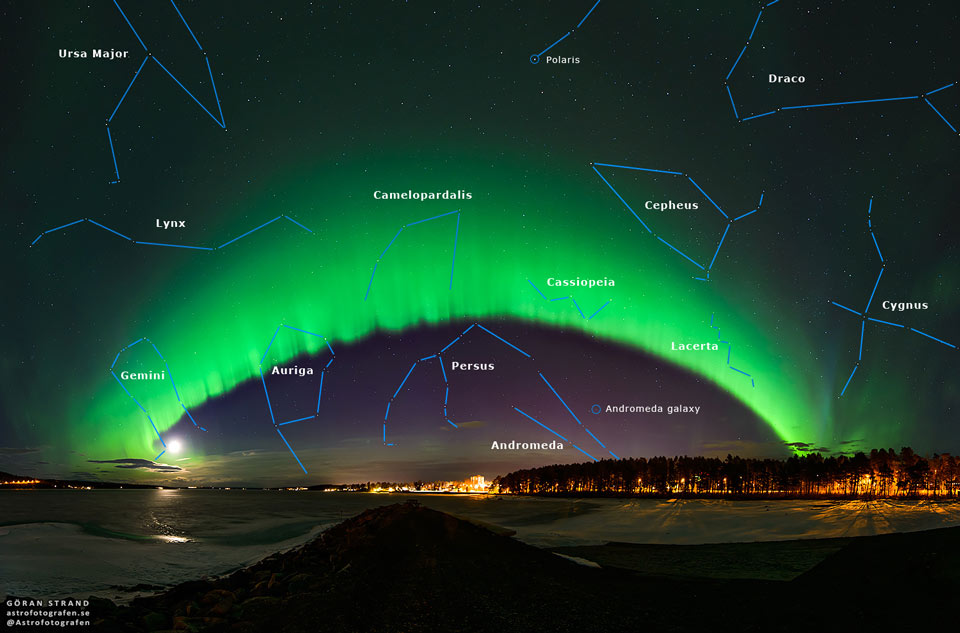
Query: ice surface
[{"x": 58, "y": 544}]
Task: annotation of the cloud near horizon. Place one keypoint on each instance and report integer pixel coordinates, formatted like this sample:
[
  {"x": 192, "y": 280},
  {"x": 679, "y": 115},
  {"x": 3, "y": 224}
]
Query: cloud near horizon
[
  {"x": 5, "y": 450},
  {"x": 144, "y": 464}
]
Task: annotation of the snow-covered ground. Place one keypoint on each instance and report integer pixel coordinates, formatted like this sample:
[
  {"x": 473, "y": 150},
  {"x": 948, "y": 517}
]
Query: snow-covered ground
[
  {"x": 60, "y": 544},
  {"x": 693, "y": 521}
]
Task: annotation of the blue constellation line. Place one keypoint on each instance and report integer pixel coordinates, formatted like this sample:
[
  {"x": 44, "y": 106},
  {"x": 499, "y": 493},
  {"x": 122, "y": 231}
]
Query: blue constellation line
[
  {"x": 149, "y": 56},
  {"x": 923, "y": 96},
  {"x": 195, "y": 248},
  {"x": 273, "y": 419},
  {"x": 527, "y": 415},
  {"x": 863, "y": 315},
  {"x": 446, "y": 396},
  {"x": 709, "y": 267},
  {"x": 456, "y": 236},
  {"x": 535, "y": 58},
  {"x": 575, "y": 304},
  {"x": 172, "y": 383},
  {"x": 729, "y": 351}
]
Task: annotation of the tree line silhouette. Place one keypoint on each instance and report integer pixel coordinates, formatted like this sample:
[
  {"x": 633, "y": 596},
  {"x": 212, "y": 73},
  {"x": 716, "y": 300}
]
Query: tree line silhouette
[{"x": 882, "y": 473}]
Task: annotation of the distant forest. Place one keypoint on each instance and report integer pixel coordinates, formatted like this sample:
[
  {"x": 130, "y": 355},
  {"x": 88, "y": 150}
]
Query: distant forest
[{"x": 882, "y": 473}]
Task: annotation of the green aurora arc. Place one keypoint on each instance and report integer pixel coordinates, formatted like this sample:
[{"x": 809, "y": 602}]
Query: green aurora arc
[
  {"x": 215, "y": 327},
  {"x": 327, "y": 104}
]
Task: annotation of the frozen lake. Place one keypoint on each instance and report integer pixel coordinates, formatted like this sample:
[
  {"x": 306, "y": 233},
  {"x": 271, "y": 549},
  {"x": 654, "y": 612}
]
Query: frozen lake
[{"x": 60, "y": 543}]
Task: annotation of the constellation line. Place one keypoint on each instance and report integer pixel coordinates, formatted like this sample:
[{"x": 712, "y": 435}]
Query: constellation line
[
  {"x": 864, "y": 318},
  {"x": 263, "y": 381},
  {"x": 446, "y": 414},
  {"x": 137, "y": 402},
  {"x": 730, "y": 222},
  {"x": 140, "y": 242},
  {"x": 456, "y": 236},
  {"x": 575, "y": 304},
  {"x": 729, "y": 352},
  {"x": 535, "y": 58},
  {"x": 219, "y": 121},
  {"x": 922, "y": 96}
]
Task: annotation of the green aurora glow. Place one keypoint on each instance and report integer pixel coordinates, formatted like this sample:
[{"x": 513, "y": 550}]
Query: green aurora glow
[
  {"x": 215, "y": 328},
  {"x": 315, "y": 129}
]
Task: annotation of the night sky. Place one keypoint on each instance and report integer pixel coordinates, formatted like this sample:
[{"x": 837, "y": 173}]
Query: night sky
[{"x": 325, "y": 103}]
